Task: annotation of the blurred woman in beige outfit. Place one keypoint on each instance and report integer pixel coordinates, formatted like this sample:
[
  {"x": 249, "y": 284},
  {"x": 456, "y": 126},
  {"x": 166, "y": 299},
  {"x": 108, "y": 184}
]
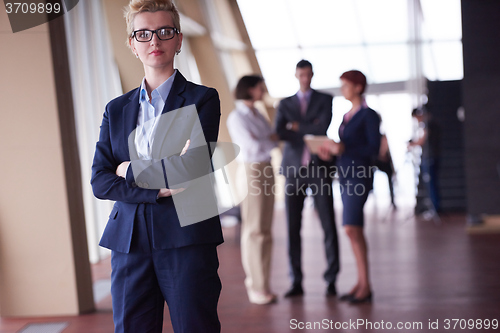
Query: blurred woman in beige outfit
[{"x": 253, "y": 134}]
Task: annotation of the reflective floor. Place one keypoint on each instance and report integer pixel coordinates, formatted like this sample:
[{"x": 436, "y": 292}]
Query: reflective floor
[{"x": 423, "y": 273}]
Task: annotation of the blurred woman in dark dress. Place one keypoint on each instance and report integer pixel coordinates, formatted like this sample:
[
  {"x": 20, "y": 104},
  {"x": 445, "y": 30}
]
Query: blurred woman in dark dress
[{"x": 358, "y": 149}]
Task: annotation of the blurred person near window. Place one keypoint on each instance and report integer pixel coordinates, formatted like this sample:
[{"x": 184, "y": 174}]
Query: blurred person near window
[
  {"x": 253, "y": 134},
  {"x": 427, "y": 136},
  {"x": 358, "y": 149},
  {"x": 384, "y": 164},
  {"x": 307, "y": 112}
]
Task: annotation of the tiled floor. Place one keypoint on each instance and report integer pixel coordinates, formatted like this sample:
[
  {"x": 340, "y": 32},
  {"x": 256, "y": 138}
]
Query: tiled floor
[{"x": 421, "y": 272}]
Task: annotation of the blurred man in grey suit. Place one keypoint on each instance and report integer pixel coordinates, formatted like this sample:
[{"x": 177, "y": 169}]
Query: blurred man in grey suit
[{"x": 307, "y": 112}]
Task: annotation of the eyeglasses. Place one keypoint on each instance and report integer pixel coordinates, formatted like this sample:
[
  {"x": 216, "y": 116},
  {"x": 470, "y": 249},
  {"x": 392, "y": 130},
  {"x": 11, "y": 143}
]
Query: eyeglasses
[{"x": 145, "y": 35}]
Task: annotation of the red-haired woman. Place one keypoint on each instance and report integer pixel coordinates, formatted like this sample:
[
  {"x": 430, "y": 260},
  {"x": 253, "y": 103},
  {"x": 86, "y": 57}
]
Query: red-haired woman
[{"x": 360, "y": 141}]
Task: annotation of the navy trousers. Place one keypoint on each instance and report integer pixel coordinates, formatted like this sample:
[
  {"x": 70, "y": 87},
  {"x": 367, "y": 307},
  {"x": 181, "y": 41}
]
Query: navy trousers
[
  {"x": 295, "y": 193},
  {"x": 142, "y": 280}
]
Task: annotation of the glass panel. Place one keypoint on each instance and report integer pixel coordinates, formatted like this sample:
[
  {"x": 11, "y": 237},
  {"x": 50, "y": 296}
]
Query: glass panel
[
  {"x": 373, "y": 102},
  {"x": 395, "y": 110},
  {"x": 382, "y": 21},
  {"x": 330, "y": 63},
  {"x": 442, "y": 19},
  {"x": 268, "y": 23},
  {"x": 323, "y": 22},
  {"x": 388, "y": 63},
  {"x": 278, "y": 69},
  {"x": 340, "y": 107},
  {"x": 339, "y": 35},
  {"x": 449, "y": 60},
  {"x": 429, "y": 62}
]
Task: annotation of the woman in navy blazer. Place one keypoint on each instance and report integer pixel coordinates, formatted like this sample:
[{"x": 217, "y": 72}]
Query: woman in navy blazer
[
  {"x": 155, "y": 259},
  {"x": 360, "y": 141}
]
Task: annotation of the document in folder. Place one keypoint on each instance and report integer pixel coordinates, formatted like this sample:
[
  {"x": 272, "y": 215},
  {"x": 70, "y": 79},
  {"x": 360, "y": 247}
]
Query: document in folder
[{"x": 313, "y": 142}]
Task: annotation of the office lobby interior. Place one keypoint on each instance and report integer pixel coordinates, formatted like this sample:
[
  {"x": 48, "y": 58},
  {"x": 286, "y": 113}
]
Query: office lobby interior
[{"x": 430, "y": 270}]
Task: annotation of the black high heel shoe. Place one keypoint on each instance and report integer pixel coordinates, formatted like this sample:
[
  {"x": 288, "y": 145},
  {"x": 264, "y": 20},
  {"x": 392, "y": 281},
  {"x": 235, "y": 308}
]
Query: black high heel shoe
[
  {"x": 366, "y": 299},
  {"x": 346, "y": 297}
]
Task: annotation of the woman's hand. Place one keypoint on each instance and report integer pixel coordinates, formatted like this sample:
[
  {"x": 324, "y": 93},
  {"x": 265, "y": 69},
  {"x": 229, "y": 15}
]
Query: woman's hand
[
  {"x": 166, "y": 192},
  {"x": 336, "y": 148},
  {"x": 324, "y": 151},
  {"x": 121, "y": 170},
  {"x": 184, "y": 150},
  {"x": 330, "y": 148}
]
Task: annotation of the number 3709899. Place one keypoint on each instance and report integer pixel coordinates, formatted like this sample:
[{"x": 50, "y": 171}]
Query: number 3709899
[
  {"x": 32, "y": 8},
  {"x": 477, "y": 324}
]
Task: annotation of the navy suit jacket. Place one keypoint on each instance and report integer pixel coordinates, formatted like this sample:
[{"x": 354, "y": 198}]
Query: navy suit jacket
[
  {"x": 361, "y": 138},
  {"x": 119, "y": 120},
  {"x": 316, "y": 122}
]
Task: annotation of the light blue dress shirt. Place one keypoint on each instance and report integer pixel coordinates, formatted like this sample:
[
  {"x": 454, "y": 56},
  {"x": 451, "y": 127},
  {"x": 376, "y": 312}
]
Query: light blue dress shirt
[{"x": 149, "y": 113}]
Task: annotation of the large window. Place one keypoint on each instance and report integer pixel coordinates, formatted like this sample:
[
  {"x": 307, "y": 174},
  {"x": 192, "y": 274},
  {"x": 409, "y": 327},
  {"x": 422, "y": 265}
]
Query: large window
[
  {"x": 442, "y": 40},
  {"x": 396, "y": 43},
  {"x": 376, "y": 37}
]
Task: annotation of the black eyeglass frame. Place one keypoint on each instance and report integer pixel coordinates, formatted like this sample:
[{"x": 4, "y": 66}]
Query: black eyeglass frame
[{"x": 176, "y": 31}]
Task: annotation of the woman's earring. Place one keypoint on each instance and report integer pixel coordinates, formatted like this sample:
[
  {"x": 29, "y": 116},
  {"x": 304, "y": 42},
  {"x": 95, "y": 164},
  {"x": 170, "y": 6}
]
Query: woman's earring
[
  {"x": 177, "y": 52},
  {"x": 137, "y": 56}
]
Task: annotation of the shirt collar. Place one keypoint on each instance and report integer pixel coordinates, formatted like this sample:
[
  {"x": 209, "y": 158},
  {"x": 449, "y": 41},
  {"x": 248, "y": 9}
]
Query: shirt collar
[
  {"x": 363, "y": 104},
  {"x": 163, "y": 89},
  {"x": 240, "y": 105},
  {"x": 306, "y": 94}
]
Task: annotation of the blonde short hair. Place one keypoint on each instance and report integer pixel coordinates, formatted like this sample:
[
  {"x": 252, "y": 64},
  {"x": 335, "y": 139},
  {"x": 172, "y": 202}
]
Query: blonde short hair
[{"x": 140, "y": 6}]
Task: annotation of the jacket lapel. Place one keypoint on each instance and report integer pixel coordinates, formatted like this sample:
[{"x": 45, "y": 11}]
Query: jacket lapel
[
  {"x": 130, "y": 114},
  {"x": 311, "y": 107},
  {"x": 174, "y": 99},
  {"x": 296, "y": 106}
]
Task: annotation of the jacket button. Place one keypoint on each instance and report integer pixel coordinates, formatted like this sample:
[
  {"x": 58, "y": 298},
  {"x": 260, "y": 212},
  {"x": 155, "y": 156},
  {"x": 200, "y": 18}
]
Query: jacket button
[{"x": 145, "y": 185}]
